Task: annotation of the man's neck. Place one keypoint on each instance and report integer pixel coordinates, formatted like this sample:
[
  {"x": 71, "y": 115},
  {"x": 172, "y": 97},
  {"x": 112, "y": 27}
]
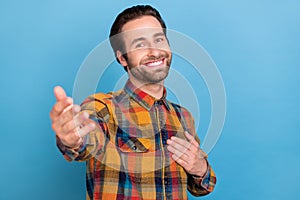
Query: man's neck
[{"x": 154, "y": 89}]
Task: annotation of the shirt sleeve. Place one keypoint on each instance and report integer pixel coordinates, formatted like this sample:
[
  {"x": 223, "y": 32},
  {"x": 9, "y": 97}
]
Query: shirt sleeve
[
  {"x": 94, "y": 142},
  {"x": 200, "y": 186}
]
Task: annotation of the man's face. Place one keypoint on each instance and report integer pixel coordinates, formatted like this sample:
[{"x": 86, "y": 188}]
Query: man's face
[{"x": 148, "y": 51}]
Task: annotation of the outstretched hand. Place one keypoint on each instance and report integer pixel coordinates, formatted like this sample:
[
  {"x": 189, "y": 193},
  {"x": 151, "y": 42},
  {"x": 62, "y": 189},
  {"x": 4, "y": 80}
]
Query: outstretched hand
[
  {"x": 69, "y": 124},
  {"x": 188, "y": 154}
]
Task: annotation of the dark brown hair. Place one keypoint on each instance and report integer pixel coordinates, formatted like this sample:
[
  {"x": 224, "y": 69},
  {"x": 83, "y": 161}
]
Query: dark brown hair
[{"x": 126, "y": 16}]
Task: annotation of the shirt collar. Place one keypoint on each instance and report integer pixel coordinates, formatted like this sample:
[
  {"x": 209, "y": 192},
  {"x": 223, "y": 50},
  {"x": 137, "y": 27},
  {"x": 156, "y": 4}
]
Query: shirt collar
[{"x": 143, "y": 98}]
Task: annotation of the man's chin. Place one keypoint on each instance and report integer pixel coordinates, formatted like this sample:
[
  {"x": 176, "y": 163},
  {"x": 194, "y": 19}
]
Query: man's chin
[{"x": 158, "y": 79}]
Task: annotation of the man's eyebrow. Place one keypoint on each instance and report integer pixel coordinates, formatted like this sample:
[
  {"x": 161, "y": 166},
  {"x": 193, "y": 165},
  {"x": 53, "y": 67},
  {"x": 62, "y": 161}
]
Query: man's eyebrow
[{"x": 159, "y": 34}]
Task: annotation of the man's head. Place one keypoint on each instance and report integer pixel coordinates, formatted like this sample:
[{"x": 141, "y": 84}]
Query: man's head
[
  {"x": 127, "y": 15},
  {"x": 138, "y": 38}
]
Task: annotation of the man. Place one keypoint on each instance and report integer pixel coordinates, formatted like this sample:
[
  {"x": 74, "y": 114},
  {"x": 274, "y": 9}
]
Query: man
[{"x": 137, "y": 144}]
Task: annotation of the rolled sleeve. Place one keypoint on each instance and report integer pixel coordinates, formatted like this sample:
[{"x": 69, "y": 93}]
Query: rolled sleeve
[
  {"x": 69, "y": 154},
  {"x": 200, "y": 186}
]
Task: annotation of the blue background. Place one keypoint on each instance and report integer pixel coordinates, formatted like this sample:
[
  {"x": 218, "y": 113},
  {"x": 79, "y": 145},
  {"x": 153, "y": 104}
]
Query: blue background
[{"x": 255, "y": 45}]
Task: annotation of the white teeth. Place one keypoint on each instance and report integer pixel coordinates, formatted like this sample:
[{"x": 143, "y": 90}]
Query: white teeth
[{"x": 152, "y": 64}]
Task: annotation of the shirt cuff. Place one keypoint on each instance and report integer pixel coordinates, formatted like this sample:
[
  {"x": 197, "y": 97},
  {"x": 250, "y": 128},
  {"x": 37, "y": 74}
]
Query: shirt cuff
[
  {"x": 204, "y": 181},
  {"x": 69, "y": 153}
]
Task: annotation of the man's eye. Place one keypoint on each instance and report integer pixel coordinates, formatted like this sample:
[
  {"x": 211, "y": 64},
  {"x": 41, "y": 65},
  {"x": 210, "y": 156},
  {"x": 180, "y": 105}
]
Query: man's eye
[
  {"x": 159, "y": 39},
  {"x": 139, "y": 45}
]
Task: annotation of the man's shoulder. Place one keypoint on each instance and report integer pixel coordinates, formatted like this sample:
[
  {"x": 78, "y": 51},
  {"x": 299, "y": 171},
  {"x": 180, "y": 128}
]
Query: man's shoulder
[
  {"x": 99, "y": 101},
  {"x": 177, "y": 106},
  {"x": 102, "y": 97},
  {"x": 179, "y": 109}
]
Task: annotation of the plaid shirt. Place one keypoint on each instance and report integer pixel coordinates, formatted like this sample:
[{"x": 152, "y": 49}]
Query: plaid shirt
[{"x": 126, "y": 154}]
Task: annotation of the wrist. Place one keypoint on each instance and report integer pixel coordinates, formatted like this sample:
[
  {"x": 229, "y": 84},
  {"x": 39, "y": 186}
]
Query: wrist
[
  {"x": 75, "y": 148},
  {"x": 203, "y": 169}
]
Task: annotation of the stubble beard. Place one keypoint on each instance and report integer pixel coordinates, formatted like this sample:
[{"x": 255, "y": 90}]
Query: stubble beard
[{"x": 147, "y": 75}]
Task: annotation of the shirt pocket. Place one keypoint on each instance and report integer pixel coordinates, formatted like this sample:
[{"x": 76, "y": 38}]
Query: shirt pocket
[{"x": 134, "y": 145}]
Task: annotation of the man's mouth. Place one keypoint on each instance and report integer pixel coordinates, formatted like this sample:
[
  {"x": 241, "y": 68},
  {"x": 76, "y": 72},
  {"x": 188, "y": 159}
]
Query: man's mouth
[{"x": 155, "y": 63}]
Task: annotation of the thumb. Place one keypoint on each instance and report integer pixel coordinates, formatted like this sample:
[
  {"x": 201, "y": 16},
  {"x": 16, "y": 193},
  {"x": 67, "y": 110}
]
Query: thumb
[{"x": 59, "y": 93}]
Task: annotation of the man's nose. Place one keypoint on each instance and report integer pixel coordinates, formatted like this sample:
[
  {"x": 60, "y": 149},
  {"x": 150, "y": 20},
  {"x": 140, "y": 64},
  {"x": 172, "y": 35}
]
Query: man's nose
[{"x": 154, "y": 51}]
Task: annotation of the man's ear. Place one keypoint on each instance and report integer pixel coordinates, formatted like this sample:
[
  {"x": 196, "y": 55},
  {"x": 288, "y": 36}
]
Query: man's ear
[{"x": 121, "y": 58}]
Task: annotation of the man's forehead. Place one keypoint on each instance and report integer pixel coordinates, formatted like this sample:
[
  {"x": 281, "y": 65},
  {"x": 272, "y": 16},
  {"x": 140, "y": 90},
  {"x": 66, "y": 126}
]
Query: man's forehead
[{"x": 143, "y": 32}]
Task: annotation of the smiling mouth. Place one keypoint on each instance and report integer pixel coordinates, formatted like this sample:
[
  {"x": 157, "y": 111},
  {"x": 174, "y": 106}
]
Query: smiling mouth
[{"x": 155, "y": 63}]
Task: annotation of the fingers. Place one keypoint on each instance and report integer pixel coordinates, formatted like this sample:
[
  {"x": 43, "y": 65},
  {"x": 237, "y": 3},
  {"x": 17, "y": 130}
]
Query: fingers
[
  {"x": 62, "y": 102},
  {"x": 196, "y": 144},
  {"x": 180, "y": 160},
  {"x": 183, "y": 150},
  {"x": 81, "y": 123},
  {"x": 178, "y": 154},
  {"x": 179, "y": 151},
  {"x": 178, "y": 145},
  {"x": 72, "y": 124},
  {"x": 59, "y": 93},
  {"x": 60, "y": 107},
  {"x": 188, "y": 154},
  {"x": 86, "y": 129},
  {"x": 183, "y": 145},
  {"x": 68, "y": 114},
  {"x": 191, "y": 138},
  {"x": 74, "y": 129}
]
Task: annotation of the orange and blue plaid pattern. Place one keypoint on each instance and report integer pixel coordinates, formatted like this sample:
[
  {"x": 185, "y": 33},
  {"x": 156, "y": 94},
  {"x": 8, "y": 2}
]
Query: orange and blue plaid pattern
[{"x": 126, "y": 155}]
